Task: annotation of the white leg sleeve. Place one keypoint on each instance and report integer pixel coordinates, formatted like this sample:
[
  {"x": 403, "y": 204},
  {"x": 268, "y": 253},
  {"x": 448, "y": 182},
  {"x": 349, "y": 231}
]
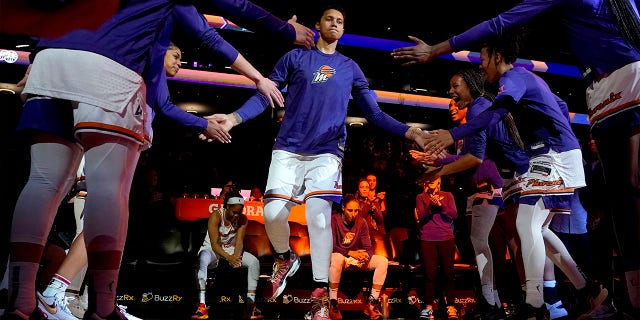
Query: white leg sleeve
[
  {"x": 206, "y": 257},
  {"x": 482, "y": 218},
  {"x": 276, "y": 223},
  {"x": 529, "y": 225},
  {"x": 559, "y": 255},
  {"x": 253, "y": 270},
  {"x": 318, "y": 214}
]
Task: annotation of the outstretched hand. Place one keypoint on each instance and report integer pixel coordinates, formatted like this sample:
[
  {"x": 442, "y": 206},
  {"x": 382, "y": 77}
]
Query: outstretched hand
[
  {"x": 420, "y": 53},
  {"x": 304, "y": 35},
  {"x": 423, "y": 157},
  {"x": 271, "y": 91}
]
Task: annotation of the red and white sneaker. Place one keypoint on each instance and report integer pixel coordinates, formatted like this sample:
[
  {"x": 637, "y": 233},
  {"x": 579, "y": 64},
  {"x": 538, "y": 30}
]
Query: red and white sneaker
[{"x": 282, "y": 269}]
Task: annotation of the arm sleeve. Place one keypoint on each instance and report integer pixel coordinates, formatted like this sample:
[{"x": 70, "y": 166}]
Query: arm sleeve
[
  {"x": 255, "y": 18},
  {"x": 516, "y": 16},
  {"x": 193, "y": 24},
  {"x": 477, "y": 144},
  {"x": 449, "y": 158},
  {"x": 258, "y": 102},
  {"x": 164, "y": 106}
]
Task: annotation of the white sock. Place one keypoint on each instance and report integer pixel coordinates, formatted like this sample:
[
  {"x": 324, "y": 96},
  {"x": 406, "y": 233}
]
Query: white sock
[
  {"x": 487, "y": 293},
  {"x": 496, "y": 298},
  {"x": 202, "y": 296},
  {"x": 375, "y": 293},
  {"x": 58, "y": 284},
  {"x": 252, "y": 296},
  {"x": 550, "y": 283}
]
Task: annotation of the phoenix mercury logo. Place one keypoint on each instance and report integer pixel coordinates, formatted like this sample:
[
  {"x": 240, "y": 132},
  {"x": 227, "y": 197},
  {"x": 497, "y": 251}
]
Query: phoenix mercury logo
[{"x": 323, "y": 74}]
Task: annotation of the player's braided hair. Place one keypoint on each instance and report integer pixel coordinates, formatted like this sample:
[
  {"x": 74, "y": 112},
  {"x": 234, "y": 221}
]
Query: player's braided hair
[
  {"x": 475, "y": 81},
  {"x": 627, "y": 21}
]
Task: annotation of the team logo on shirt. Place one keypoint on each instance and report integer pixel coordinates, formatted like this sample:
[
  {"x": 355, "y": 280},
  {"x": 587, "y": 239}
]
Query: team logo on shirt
[
  {"x": 348, "y": 238},
  {"x": 323, "y": 74}
]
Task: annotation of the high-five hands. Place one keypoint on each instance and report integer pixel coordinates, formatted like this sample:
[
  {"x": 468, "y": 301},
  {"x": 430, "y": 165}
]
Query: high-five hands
[
  {"x": 217, "y": 129},
  {"x": 271, "y": 91},
  {"x": 436, "y": 141},
  {"x": 304, "y": 35}
]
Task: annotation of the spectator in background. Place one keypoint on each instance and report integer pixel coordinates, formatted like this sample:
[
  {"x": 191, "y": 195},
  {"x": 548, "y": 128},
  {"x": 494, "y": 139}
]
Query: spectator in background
[
  {"x": 227, "y": 227},
  {"x": 377, "y": 198},
  {"x": 352, "y": 251},
  {"x": 370, "y": 211},
  {"x": 256, "y": 194},
  {"x": 435, "y": 213},
  {"x": 226, "y": 187}
]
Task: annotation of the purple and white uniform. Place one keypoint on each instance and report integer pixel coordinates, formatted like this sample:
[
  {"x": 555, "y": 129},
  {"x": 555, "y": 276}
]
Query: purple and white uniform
[{"x": 555, "y": 166}]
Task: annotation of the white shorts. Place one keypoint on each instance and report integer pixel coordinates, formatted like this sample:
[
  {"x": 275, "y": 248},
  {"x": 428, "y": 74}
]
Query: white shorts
[
  {"x": 552, "y": 176},
  {"x": 296, "y": 178},
  {"x": 617, "y": 92},
  {"x": 106, "y": 96}
]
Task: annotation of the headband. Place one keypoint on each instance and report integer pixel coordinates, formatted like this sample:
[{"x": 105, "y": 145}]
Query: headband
[{"x": 235, "y": 200}]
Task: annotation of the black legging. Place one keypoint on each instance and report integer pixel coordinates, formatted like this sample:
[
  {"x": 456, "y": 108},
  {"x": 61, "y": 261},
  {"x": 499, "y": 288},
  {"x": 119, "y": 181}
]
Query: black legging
[
  {"x": 436, "y": 253},
  {"x": 619, "y": 153}
]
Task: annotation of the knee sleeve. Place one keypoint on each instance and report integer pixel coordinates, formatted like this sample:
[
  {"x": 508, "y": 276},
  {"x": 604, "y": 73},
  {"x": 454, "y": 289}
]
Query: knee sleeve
[{"x": 276, "y": 223}]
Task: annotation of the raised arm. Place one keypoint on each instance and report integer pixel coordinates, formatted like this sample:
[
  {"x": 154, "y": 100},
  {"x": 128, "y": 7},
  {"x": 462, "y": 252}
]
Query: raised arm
[
  {"x": 517, "y": 16},
  {"x": 257, "y": 19}
]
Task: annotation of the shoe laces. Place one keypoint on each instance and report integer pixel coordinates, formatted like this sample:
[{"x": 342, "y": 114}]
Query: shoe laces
[
  {"x": 374, "y": 307},
  {"x": 62, "y": 300},
  {"x": 64, "y": 303},
  {"x": 122, "y": 308},
  {"x": 279, "y": 270},
  {"x": 319, "y": 306}
]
